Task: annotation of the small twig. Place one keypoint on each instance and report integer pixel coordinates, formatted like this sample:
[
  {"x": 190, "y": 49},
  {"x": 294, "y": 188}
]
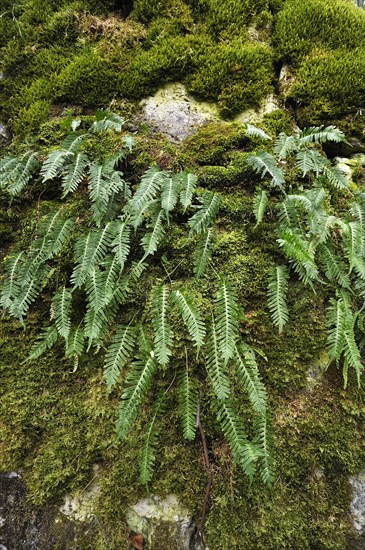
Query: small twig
[{"x": 209, "y": 472}]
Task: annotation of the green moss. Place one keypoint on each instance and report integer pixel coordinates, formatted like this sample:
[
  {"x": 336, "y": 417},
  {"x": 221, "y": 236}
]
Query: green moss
[
  {"x": 329, "y": 84},
  {"x": 304, "y": 25},
  {"x": 238, "y": 75}
]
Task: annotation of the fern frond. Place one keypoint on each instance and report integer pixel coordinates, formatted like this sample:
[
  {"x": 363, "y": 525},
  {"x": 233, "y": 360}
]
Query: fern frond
[
  {"x": 333, "y": 266},
  {"x": 203, "y": 251},
  {"x": 298, "y": 249},
  {"x": 264, "y": 163},
  {"x": 169, "y": 194},
  {"x": 162, "y": 331},
  {"x": 264, "y": 440},
  {"x": 207, "y": 211},
  {"x": 151, "y": 240},
  {"x": 150, "y": 185},
  {"x": 13, "y": 281},
  {"x": 61, "y": 310},
  {"x": 260, "y": 202},
  {"x": 72, "y": 143},
  {"x": 150, "y": 445},
  {"x": 138, "y": 383},
  {"x": 351, "y": 352},
  {"x": 191, "y": 315},
  {"x": 119, "y": 350},
  {"x": 96, "y": 324},
  {"x": 121, "y": 242},
  {"x": 321, "y": 134},
  {"x": 252, "y": 131},
  {"x": 28, "y": 165},
  {"x": 54, "y": 164},
  {"x": 336, "y": 177},
  {"x": 310, "y": 160},
  {"x": 107, "y": 120},
  {"x": 46, "y": 340},
  {"x": 74, "y": 174},
  {"x": 276, "y": 293},
  {"x": 187, "y": 183},
  {"x": 94, "y": 287},
  {"x": 29, "y": 291},
  {"x": 353, "y": 241},
  {"x": 336, "y": 322},
  {"x": 249, "y": 376},
  {"x": 75, "y": 343},
  {"x": 188, "y": 402},
  {"x": 284, "y": 145},
  {"x": 358, "y": 211},
  {"x": 59, "y": 235},
  {"x": 216, "y": 368},
  {"x": 227, "y": 318}
]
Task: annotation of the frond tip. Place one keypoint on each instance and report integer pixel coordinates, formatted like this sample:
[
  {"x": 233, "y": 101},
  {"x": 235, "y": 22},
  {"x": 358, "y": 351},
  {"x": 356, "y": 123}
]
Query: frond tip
[{"x": 276, "y": 293}]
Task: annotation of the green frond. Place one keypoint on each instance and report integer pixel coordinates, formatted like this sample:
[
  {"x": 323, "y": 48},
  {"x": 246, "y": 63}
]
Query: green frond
[
  {"x": 353, "y": 242},
  {"x": 96, "y": 324},
  {"x": 29, "y": 291},
  {"x": 149, "y": 448},
  {"x": 191, "y": 316},
  {"x": 252, "y": 131},
  {"x": 118, "y": 352},
  {"x": 284, "y": 145},
  {"x": 13, "y": 281},
  {"x": 107, "y": 120},
  {"x": 333, "y": 266},
  {"x": 289, "y": 215},
  {"x": 249, "y": 376},
  {"x": 54, "y": 164},
  {"x": 260, "y": 202},
  {"x": 95, "y": 288},
  {"x": 227, "y": 315},
  {"x": 26, "y": 168},
  {"x": 59, "y": 236},
  {"x": 299, "y": 251},
  {"x": 310, "y": 160},
  {"x": 188, "y": 402},
  {"x": 73, "y": 142},
  {"x": 45, "y": 341},
  {"x": 207, "y": 211},
  {"x": 335, "y": 177},
  {"x": 61, "y": 311},
  {"x": 336, "y": 322},
  {"x": 321, "y": 134},
  {"x": 163, "y": 334},
  {"x": 138, "y": 383},
  {"x": 150, "y": 185},
  {"x": 358, "y": 212},
  {"x": 276, "y": 293},
  {"x": 151, "y": 240},
  {"x": 74, "y": 173},
  {"x": 301, "y": 201},
  {"x": 351, "y": 353},
  {"x": 216, "y": 367},
  {"x": 169, "y": 194},
  {"x": 187, "y": 183},
  {"x": 264, "y": 440},
  {"x": 121, "y": 242},
  {"x": 203, "y": 251},
  {"x": 75, "y": 343},
  {"x": 138, "y": 217},
  {"x": 264, "y": 163}
]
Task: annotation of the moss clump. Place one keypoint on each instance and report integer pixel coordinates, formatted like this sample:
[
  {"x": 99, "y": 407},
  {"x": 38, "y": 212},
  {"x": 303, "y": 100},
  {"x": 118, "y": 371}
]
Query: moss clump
[
  {"x": 329, "y": 84},
  {"x": 238, "y": 75},
  {"x": 304, "y": 25}
]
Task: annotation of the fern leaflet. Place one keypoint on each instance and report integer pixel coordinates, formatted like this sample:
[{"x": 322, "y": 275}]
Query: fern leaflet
[{"x": 276, "y": 293}]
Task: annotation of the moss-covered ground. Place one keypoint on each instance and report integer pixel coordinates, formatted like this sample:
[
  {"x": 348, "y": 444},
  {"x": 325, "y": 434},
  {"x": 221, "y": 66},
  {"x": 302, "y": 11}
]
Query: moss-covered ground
[{"x": 55, "y": 424}]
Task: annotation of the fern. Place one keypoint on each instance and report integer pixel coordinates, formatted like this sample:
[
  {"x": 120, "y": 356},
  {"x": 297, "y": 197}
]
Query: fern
[
  {"x": 264, "y": 163},
  {"x": 107, "y": 120},
  {"x": 261, "y": 200},
  {"x": 61, "y": 311},
  {"x": 28, "y": 292},
  {"x": 276, "y": 293},
  {"x": 169, "y": 194},
  {"x": 216, "y": 367},
  {"x": 284, "y": 145},
  {"x": 162, "y": 331},
  {"x": 118, "y": 352},
  {"x": 336, "y": 321},
  {"x": 121, "y": 242},
  {"x": 16, "y": 172},
  {"x": 45, "y": 342},
  {"x": 321, "y": 134},
  {"x": 249, "y": 376},
  {"x": 264, "y": 441},
  {"x": 54, "y": 164},
  {"x": 191, "y": 316},
  {"x": 203, "y": 252},
  {"x": 227, "y": 319},
  {"x": 150, "y": 445},
  {"x": 188, "y": 400},
  {"x": 152, "y": 239},
  {"x": 75, "y": 343},
  {"x": 151, "y": 183},
  {"x": 207, "y": 211},
  {"x": 333, "y": 267},
  {"x": 187, "y": 183},
  {"x": 138, "y": 383},
  {"x": 74, "y": 174},
  {"x": 13, "y": 282},
  {"x": 252, "y": 131}
]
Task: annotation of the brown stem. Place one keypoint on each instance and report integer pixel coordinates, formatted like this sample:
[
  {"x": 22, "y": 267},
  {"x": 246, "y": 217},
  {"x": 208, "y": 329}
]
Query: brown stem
[{"x": 209, "y": 471}]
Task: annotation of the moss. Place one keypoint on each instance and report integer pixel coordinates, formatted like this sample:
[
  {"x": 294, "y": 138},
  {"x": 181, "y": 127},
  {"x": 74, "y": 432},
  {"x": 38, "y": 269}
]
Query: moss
[
  {"x": 237, "y": 75},
  {"x": 329, "y": 84},
  {"x": 304, "y": 25}
]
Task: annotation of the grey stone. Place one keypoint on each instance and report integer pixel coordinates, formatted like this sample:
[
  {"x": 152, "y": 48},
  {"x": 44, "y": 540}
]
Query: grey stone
[
  {"x": 358, "y": 502},
  {"x": 81, "y": 507},
  {"x": 4, "y": 134},
  {"x": 164, "y": 523},
  {"x": 175, "y": 113},
  {"x": 268, "y": 105}
]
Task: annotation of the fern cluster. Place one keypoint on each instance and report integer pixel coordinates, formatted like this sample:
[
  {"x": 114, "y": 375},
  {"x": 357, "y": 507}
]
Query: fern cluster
[
  {"x": 113, "y": 247},
  {"x": 322, "y": 246}
]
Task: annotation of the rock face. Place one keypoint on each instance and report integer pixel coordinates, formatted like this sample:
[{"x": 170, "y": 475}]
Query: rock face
[
  {"x": 164, "y": 524},
  {"x": 269, "y": 105},
  {"x": 175, "y": 113}
]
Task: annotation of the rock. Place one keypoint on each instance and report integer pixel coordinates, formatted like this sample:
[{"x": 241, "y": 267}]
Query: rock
[
  {"x": 268, "y": 105},
  {"x": 317, "y": 370},
  {"x": 358, "y": 502},
  {"x": 360, "y": 3},
  {"x": 164, "y": 523},
  {"x": 4, "y": 134},
  {"x": 175, "y": 113},
  {"x": 348, "y": 165},
  {"x": 81, "y": 506}
]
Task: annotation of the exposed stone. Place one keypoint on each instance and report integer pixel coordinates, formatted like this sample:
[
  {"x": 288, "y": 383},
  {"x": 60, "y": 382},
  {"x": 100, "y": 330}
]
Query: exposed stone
[
  {"x": 164, "y": 523},
  {"x": 4, "y": 134},
  {"x": 81, "y": 507},
  {"x": 360, "y": 3},
  {"x": 175, "y": 113},
  {"x": 358, "y": 502},
  {"x": 317, "y": 369},
  {"x": 348, "y": 165},
  {"x": 268, "y": 105}
]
